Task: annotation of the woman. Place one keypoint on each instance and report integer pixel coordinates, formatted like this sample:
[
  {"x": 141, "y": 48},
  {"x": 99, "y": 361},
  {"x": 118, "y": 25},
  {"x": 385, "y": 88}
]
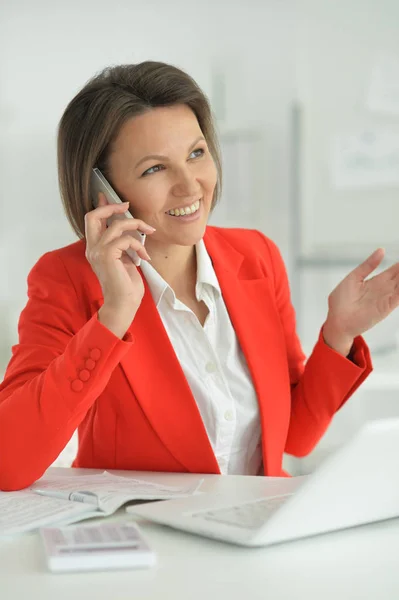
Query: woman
[{"x": 191, "y": 361}]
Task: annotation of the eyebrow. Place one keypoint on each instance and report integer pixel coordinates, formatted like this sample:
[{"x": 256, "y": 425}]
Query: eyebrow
[{"x": 161, "y": 157}]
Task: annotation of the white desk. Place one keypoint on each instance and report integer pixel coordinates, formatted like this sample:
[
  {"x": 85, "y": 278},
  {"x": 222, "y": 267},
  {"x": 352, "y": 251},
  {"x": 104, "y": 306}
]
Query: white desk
[{"x": 355, "y": 564}]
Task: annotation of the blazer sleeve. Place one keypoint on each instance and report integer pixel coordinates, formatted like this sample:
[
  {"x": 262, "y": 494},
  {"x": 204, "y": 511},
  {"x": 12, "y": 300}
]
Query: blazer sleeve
[
  {"x": 324, "y": 383},
  {"x": 60, "y": 366}
]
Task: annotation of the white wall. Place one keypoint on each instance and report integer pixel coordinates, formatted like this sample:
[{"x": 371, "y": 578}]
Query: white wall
[
  {"x": 49, "y": 49},
  {"x": 338, "y": 43}
]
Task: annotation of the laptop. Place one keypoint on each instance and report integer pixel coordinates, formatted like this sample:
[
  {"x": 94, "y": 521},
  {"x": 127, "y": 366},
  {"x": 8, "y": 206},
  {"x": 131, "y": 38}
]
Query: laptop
[{"x": 358, "y": 484}]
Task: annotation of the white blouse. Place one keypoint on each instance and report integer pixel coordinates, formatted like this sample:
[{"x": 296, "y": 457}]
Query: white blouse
[{"x": 214, "y": 366}]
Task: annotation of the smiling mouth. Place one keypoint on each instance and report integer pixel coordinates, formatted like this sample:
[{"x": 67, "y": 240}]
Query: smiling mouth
[{"x": 187, "y": 210}]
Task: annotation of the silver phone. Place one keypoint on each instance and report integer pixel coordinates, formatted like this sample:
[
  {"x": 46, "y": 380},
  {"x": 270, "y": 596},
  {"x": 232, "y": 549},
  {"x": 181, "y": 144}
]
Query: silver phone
[{"x": 100, "y": 184}]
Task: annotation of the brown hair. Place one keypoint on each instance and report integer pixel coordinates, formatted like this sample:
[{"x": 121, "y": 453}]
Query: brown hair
[{"x": 94, "y": 117}]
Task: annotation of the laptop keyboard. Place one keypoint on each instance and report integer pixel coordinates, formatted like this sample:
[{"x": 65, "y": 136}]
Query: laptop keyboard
[{"x": 250, "y": 515}]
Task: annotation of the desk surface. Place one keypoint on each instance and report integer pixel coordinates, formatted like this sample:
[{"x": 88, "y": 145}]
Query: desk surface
[{"x": 359, "y": 563}]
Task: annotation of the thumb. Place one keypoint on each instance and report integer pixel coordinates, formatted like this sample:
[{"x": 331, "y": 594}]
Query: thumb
[{"x": 368, "y": 266}]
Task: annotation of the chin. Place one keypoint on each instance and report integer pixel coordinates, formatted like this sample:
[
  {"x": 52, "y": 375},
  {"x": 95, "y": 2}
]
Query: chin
[{"x": 190, "y": 238}]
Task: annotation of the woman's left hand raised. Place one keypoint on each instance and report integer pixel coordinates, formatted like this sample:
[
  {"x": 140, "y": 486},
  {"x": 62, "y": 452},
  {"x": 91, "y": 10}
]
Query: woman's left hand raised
[{"x": 357, "y": 303}]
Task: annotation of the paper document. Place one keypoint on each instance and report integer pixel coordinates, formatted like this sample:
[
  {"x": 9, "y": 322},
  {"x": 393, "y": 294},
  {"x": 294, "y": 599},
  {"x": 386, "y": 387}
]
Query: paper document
[
  {"x": 23, "y": 511},
  {"x": 26, "y": 510}
]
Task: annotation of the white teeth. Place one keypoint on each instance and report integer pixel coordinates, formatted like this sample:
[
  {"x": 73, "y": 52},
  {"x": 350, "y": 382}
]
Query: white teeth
[{"x": 189, "y": 210}]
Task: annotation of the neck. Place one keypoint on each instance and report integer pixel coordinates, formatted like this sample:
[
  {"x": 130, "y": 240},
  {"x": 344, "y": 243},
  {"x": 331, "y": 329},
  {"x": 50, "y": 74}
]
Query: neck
[{"x": 177, "y": 265}]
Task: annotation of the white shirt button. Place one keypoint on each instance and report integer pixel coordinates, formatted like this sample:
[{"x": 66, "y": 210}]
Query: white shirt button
[
  {"x": 229, "y": 415},
  {"x": 210, "y": 367}
]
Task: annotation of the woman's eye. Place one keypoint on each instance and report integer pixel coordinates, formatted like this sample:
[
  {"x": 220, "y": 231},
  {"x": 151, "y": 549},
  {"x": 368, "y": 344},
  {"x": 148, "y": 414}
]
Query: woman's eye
[
  {"x": 194, "y": 154},
  {"x": 198, "y": 152},
  {"x": 151, "y": 170}
]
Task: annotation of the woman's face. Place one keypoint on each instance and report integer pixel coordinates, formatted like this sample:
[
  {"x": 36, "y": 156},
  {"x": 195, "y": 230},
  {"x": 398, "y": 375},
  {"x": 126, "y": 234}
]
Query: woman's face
[{"x": 160, "y": 162}]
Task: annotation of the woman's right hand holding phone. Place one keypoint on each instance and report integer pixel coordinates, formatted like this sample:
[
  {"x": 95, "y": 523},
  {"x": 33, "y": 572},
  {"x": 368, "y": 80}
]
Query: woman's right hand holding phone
[{"x": 119, "y": 278}]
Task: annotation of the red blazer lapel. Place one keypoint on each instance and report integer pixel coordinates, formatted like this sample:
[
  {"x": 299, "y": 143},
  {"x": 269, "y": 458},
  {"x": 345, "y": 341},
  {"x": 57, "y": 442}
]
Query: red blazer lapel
[
  {"x": 160, "y": 386},
  {"x": 249, "y": 299}
]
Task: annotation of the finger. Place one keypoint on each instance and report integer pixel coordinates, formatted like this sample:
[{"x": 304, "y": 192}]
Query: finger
[
  {"x": 394, "y": 299},
  {"x": 120, "y": 245},
  {"x": 105, "y": 211},
  {"x": 369, "y": 265},
  {"x": 121, "y": 226},
  {"x": 394, "y": 286},
  {"x": 96, "y": 220},
  {"x": 390, "y": 273},
  {"x": 102, "y": 201},
  {"x": 385, "y": 280}
]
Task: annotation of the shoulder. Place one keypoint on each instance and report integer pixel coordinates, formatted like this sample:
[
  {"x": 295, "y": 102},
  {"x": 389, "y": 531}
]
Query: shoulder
[
  {"x": 251, "y": 243},
  {"x": 61, "y": 263},
  {"x": 67, "y": 255},
  {"x": 65, "y": 276},
  {"x": 240, "y": 237}
]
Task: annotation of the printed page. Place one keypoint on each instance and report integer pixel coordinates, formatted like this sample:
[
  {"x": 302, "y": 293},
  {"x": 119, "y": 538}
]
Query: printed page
[
  {"x": 114, "y": 491},
  {"x": 23, "y": 511}
]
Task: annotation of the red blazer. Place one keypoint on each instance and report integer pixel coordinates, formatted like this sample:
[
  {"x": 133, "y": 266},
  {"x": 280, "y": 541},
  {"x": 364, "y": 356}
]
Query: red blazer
[{"x": 129, "y": 398}]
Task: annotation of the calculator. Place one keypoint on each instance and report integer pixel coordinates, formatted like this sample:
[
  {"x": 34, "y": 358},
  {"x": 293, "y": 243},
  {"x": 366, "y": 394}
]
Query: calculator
[{"x": 100, "y": 546}]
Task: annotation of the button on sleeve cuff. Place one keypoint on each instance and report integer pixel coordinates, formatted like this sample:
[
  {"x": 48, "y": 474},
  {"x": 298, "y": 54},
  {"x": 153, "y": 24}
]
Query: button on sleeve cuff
[{"x": 91, "y": 357}]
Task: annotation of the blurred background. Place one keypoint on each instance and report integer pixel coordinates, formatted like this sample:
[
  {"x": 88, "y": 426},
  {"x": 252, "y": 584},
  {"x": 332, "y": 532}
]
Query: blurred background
[{"x": 306, "y": 98}]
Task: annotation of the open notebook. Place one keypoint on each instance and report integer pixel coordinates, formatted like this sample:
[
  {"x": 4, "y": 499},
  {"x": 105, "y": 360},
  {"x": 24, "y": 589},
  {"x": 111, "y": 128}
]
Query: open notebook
[{"x": 61, "y": 500}]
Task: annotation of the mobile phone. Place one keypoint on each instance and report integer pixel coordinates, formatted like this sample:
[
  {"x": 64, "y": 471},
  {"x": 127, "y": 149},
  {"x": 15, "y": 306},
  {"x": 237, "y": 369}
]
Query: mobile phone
[{"x": 100, "y": 184}]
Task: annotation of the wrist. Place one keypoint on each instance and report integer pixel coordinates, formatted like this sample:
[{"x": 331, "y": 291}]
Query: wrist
[
  {"x": 336, "y": 338},
  {"x": 116, "y": 319}
]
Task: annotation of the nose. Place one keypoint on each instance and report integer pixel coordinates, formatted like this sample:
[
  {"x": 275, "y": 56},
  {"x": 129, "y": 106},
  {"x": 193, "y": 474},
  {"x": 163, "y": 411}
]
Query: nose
[{"x": 186, "y": 184}]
